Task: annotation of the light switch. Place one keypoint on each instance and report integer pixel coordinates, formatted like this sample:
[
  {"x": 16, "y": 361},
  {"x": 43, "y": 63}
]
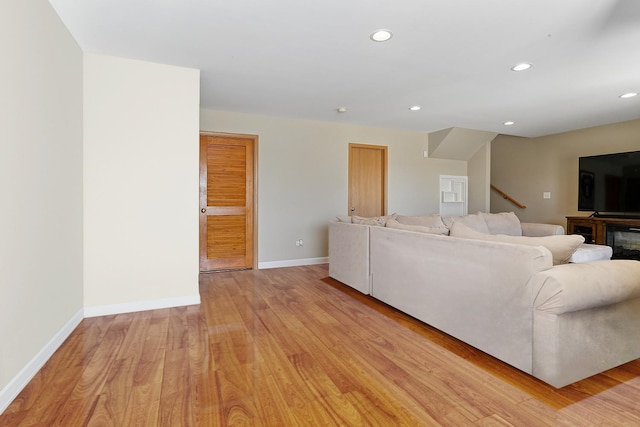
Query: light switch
[{"x": 546, "y": 195}]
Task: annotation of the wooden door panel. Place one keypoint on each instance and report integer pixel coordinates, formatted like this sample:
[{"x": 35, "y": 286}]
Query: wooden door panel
[
  {"x": 226, "y": 175},
  {"x": 227, "y": 201},
  {"x": 367, "y": 180},
  {"x": 226, "y": 241}
]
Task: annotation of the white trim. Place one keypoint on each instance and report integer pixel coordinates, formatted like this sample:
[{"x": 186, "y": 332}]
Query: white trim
[
  {"x": 129, "y": 307},
  {"x": 293, "y": 262},
  {"x": 20, "y": 381}
]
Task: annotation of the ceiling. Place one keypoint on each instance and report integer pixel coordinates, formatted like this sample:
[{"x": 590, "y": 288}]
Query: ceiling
[{"x": 305, "y": 59}]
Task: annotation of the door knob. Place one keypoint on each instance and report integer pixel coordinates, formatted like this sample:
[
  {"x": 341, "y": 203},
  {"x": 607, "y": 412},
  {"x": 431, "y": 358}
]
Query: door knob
[
  {"x": 353, "y": 209},
  {"x": 203, "y": 210}
]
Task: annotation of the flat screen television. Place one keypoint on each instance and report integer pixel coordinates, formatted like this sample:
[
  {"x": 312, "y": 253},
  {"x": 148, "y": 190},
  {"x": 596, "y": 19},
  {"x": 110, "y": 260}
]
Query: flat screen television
[{"x": 609, "y": 184}]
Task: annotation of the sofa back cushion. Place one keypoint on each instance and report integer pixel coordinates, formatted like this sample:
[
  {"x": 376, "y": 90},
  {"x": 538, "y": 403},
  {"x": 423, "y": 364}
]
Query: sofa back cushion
[
  {"x": 502, "y": 223},
  {"x": 442, "y": 230},
  {"x": 432, "y": 220},
  {"x": 372, "y": 220},
  {"x": 344, "y": 218},
  {"x": 561, "y": 247},
  {"x": 473, "y": 221}
]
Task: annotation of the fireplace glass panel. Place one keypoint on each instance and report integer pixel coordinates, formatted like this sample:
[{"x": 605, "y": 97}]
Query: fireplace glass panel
[{"x": 625, "y": 242}]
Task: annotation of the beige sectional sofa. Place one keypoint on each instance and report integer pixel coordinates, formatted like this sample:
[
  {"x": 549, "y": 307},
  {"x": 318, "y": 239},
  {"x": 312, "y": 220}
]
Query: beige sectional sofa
[{"x": 516, "y": 298}]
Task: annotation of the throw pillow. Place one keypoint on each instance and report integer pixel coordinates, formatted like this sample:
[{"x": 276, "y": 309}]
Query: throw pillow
[
  {"x": 560, "y": 246},
  {"x": 442, "y": 230},
  {"x": 502, "y": 223}
]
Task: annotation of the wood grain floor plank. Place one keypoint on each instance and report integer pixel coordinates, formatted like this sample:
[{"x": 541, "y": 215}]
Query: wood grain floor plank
[
  {"x": 74, "y": 412},
  {"x": 270, "y": 401},
  {"x": 298, "y": 399},
  {"x": 176, "y": 406},
  {"x": 292, "y": 347},
  {"x": 115, "y": 394},
  {"x": 101, "y": 415},
  {"x": 96, "y": 370},
  {"x": 71, "y": 358},
  {"x": 202, "y": 369},
  {"x": 383, "y": 363},
  {"x": 150, "y": 368},
  {"x": 143, "y": 407},
  {"x": 65, "y": 377}
]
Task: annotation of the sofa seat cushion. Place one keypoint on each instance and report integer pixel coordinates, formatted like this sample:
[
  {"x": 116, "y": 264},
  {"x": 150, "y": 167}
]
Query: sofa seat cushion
[
  {"x": 561, "y": 247},
  {"x": 442, "y": 230},
  {"x": 588, "y": 253}
]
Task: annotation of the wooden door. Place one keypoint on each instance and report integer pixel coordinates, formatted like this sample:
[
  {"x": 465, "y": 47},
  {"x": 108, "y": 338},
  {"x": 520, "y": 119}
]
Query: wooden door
[
  {"x": 367, "y": 180},
  {"x": 227, "y": 201}
]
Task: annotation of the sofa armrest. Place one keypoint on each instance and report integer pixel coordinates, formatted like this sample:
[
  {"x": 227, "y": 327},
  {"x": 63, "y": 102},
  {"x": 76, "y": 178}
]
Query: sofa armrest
[
  {"x": 532, "y": 229},
  {"x": 572, "y": 287},
  {"x": 349, "y": 255},
  {"x": 585, "y": 319}
]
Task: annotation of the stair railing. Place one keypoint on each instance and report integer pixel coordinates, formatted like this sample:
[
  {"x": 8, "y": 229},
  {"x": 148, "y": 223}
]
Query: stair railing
[{"x": 508, "y": 197}]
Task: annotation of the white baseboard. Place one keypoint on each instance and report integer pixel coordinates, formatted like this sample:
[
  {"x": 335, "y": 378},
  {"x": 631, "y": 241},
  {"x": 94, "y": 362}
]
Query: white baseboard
[
  {"x": 130, "y": 307},
  {"x": 293, "y": 262},
  {"x": 15, "y": 386}
]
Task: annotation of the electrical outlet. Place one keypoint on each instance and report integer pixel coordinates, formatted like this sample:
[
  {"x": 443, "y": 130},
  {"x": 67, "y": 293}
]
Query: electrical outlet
[
  {"x": 299, "y": 242},
  {"x": 546, "y": 195}
]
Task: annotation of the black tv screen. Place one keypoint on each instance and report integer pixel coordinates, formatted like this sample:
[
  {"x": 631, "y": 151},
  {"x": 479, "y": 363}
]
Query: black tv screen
[{"x": 610, "y": 183}]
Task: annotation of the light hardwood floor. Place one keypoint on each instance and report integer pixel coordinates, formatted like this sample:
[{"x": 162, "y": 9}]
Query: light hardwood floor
[{"x": 292, "y": 347}]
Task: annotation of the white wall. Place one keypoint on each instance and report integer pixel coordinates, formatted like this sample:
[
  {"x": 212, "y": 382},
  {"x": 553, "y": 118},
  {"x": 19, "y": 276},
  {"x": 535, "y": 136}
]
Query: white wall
[
  {"x": 141, "y": 159},
  {"x": 41, "y": 189},
  {"x": 303, "y": 181}
]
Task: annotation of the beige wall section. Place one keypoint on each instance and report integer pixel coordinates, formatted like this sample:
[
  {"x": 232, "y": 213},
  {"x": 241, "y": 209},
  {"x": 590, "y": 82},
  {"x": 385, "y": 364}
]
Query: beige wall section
[
  {"x": 479, "y": 172},
  {"x": 525, "y": 168},
  {"x": 302, "y": 177},
  {"x": 40, "y": 182},
  {"x": 141, "y": 181}
]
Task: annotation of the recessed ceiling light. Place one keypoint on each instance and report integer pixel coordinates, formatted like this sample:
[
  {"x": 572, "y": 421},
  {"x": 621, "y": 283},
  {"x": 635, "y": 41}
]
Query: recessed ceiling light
[
  {"x": 509, "y": 123},
  {"x": 521, "y": 67},
  {"x": 342, "y": 109},
  {"x": 415, "y": 108},
  {"x": 629, "y": 95},
  {"x": 381, "y": 35}
]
